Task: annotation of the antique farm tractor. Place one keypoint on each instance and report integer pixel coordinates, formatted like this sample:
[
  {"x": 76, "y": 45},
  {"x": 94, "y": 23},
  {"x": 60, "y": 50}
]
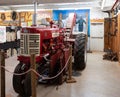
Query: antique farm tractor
[{"x": 50, "y": 47}]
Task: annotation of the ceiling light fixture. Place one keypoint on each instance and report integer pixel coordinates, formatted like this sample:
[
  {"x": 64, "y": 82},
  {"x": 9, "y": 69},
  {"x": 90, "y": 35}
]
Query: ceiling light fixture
[
  {"x": 80, "y": 3},
  {"x": 103, "y": 3}
]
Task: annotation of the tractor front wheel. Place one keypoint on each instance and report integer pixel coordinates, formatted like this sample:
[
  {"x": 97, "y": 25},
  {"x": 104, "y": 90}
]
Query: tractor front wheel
[{"x": 18, "y": 80}]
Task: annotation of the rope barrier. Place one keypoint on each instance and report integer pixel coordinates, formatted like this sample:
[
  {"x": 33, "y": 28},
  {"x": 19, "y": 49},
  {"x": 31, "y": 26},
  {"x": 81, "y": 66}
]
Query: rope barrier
[
  {"x": 48, "y": 78},
  {"x": 16, "y": 73},
  {"x": 44, "y": 78}
]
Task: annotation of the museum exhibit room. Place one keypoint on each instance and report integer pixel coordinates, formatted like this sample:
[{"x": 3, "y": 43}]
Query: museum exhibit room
[{"x": 60, "y": 48}]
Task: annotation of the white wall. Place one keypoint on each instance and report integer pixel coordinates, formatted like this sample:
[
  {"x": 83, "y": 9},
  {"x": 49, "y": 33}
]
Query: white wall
[
  {"x": 97, "y": 37},
  {"x": 97, "y": 14},
  {"x": 96, "y": 43},
  {"x": 109, "y": 3}
]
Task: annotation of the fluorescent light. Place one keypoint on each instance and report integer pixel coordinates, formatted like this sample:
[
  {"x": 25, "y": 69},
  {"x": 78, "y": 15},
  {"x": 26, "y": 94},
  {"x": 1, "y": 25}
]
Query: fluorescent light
[
  {"x": 85, "y": 3},
  {"x": 22, "y": 10},
  {"x": 103, "y": 3},
  {"x": 74, "y": 8},
  {"x": 2, "y": 10},
  {"x": 5, "y": 10}
]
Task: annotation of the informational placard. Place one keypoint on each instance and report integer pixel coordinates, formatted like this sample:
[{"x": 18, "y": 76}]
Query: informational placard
[
  {"x": 2, "y": 34},
  {"x": 42, "y": 15}
]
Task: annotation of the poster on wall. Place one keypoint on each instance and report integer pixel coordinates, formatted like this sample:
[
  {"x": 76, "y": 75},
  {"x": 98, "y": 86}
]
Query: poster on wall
[
  {"x": 2, "y": 34},
  {"x": 42, "y": 15},
  {"x": 81, "y": 18}
]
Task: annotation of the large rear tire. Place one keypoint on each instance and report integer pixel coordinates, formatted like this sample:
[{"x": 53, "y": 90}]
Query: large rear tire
[
  {"x": 80, "y": 52},
  {"x": 18, "y": 80}
]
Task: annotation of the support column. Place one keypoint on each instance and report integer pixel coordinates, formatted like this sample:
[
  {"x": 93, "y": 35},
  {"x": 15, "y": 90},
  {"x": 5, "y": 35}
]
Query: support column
[
  {"x": 2, "y": 74},
  {"x": 33, "y": 76},
  {"x": 70, "y": 78},
  {"x": 35, "y": 14}
]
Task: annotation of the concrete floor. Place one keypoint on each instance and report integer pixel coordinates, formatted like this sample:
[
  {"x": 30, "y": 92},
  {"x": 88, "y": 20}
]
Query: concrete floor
[{"x": 101, "y": 78}]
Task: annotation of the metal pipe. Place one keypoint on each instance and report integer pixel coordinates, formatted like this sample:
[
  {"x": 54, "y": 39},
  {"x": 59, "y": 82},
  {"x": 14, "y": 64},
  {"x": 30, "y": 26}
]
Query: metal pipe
[
  {"x": 35, "y": 14},
  {"x": 115, "y": 4},
  {"x": 103, "y": 3}
]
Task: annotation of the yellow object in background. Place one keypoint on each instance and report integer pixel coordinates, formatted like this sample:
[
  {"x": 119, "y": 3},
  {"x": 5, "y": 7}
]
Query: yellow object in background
[{"x": 29, "y": 23}]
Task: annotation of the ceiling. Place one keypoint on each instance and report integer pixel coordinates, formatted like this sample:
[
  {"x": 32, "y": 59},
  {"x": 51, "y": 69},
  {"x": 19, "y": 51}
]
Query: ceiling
[
  {"x": 53, "y": 4},
  {"x": 20, "y": 2}
]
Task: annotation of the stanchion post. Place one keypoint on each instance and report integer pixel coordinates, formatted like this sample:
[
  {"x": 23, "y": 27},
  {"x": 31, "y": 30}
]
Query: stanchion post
[
  {"x": 2, "y": 72},
  {"x": 70, "y": 79},
  {"x": 70, "y": 64},
  {"x": 33, "y": 76}
]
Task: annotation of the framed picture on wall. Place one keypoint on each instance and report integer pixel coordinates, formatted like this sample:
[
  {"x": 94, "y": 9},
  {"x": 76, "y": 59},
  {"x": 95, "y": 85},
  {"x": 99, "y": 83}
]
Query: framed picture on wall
[{"x": 81, "y": 18}]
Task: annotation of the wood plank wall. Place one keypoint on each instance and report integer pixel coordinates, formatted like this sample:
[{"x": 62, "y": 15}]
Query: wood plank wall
[
  {"x": 106, "y": 34},
  {"x": 118, "y": 36},
  {"x": 112, "y": 38}
]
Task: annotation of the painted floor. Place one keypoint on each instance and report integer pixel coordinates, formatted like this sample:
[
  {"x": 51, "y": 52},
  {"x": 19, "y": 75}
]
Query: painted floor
[{"x": 101, "y": 78}]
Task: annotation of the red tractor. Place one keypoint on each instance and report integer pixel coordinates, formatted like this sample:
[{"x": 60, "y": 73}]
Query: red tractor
[
  {"x": 51, "y": 51},
  {"x": 48, "y": 45}
]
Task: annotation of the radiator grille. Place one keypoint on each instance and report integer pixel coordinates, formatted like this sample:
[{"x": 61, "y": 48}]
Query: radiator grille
[{"x": 29, "y": 44}]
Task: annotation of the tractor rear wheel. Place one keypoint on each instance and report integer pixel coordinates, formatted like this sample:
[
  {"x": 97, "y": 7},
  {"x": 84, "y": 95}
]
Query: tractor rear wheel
[
  {"x": 80, "y": 52},
  {"x": 18, "y": 80}
]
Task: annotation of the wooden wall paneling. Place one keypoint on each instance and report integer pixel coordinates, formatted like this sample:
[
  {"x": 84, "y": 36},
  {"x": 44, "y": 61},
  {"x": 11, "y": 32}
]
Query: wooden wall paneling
[
  {"x": 118, "y": 44},
  {"x": 117, "y": 36},
  {"x": 114, "y": 35},
  {"x": 106, "y": 34},
  {"x": 19, "y": 19},
  {"x": 97, "y": 20},
  {"x": 118, "y": 19}
]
